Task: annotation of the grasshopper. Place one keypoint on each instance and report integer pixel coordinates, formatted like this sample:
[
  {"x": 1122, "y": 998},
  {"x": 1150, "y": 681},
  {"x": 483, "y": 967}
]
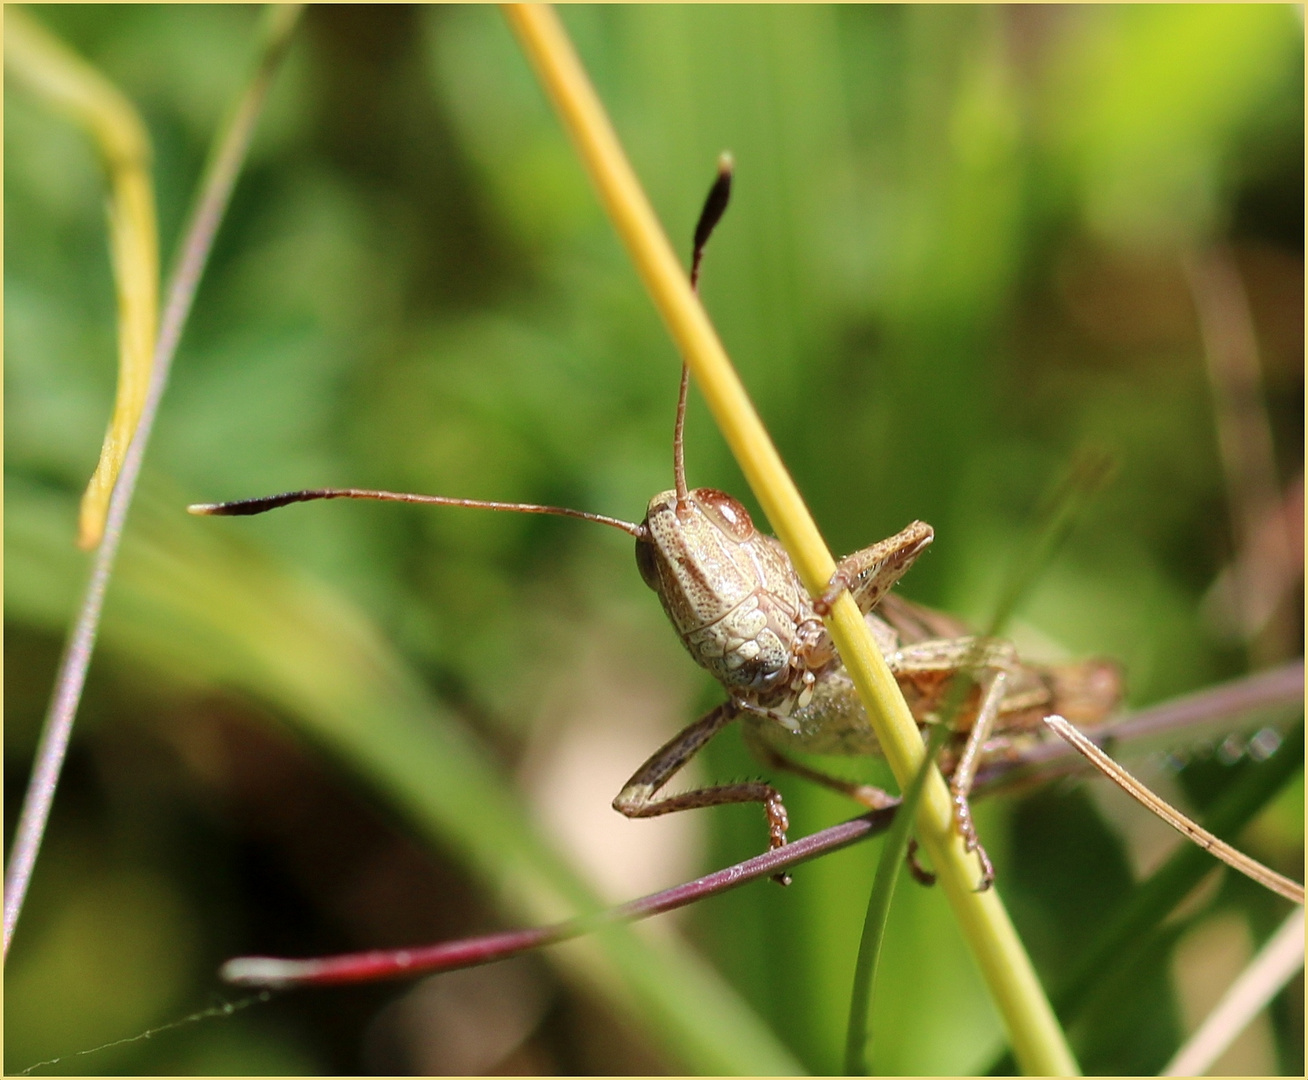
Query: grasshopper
[{"x": 735, "y": 600}]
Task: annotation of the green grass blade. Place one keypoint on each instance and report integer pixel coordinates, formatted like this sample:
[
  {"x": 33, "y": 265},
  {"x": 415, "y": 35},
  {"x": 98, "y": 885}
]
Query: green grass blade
[{"x": 893, "y": 853}]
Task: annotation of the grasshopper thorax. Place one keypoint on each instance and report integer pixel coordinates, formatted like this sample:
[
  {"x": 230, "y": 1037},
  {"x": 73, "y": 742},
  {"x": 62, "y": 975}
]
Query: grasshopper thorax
[{"x": 729, "y": 590}]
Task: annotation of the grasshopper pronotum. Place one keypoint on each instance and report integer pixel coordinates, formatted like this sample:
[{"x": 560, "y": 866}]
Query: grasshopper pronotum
[{"x": 740, "y": 609}]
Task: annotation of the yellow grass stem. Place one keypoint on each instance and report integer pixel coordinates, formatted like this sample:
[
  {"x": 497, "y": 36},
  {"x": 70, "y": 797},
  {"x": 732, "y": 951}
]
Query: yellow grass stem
[
  {"x": 1037, "y": 1041},
  {"x": 49, "y": 68}
]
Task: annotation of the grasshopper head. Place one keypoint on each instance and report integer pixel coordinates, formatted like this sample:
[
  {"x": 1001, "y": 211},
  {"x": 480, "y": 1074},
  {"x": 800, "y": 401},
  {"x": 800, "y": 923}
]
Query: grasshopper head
[
  {"x": 688, "y": 553},
  {"x": 728, "y": 589}
]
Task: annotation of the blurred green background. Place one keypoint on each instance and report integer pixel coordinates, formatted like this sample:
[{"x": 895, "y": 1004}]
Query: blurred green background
[{"x": 956, "y": 254}]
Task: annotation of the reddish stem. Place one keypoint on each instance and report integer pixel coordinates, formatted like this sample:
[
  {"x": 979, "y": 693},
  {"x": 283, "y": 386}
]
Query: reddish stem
[{"x": 469, "y": 952}]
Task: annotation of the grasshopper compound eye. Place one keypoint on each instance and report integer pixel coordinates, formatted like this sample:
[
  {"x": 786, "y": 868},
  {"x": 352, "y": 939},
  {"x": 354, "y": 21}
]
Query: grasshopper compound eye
[
  {"x": 647, "y": 563},
  {"x": 726, "y": 513}
]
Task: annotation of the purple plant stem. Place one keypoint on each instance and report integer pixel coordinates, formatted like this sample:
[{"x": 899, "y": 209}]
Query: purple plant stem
[
  {"x": 469, "y": 952},
  {"x": 216, "y": 189},
  {"x": 1265, "y": 689},
  {"x": 1278, "y": 687}
]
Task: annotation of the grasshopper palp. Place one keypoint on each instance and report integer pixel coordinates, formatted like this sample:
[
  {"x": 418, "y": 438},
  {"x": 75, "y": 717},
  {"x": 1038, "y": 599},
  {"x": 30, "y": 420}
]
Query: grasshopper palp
[{"x": 735, "y": 600}]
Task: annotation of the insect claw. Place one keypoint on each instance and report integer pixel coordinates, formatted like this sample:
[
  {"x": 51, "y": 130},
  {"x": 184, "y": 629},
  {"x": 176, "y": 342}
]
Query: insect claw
[
  {"x": 920, "y": 875},
  {"x": 838, "y": 584}
]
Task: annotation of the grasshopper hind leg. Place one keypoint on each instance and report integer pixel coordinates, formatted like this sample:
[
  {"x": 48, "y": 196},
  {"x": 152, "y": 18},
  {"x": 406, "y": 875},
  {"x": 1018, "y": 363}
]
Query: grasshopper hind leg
[{"x": 993, "y": 684}]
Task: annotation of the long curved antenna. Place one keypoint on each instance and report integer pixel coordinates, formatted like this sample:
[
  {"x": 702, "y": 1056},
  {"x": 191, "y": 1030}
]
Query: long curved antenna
[
  {"x": 245, "y": 507},
  {"x": 714, "y": 207}
]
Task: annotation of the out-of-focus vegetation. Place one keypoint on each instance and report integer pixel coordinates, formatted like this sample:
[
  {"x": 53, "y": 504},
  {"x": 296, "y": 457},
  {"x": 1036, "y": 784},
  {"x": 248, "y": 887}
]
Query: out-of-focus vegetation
[{"x": 956, "y": 254}]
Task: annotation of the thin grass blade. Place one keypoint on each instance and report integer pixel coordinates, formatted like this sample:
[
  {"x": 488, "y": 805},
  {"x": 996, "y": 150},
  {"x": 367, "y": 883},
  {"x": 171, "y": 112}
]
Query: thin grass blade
[
  {"x": 893, "y": 853},
  {"x": 1275, "y": 965},
  {"x": 229, "y": 150},
  {"x": 1251, "y": 868}
]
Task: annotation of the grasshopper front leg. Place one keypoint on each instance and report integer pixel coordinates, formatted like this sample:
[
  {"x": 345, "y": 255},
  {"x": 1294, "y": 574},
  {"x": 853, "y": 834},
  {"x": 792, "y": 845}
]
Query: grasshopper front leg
[
  {"x": 637, "y": 797},
  {"x": 872, "y": 572}
]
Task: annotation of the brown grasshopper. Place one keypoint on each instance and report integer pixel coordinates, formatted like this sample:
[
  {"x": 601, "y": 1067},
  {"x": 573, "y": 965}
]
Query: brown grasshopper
[{"x": 740, "y": 609}]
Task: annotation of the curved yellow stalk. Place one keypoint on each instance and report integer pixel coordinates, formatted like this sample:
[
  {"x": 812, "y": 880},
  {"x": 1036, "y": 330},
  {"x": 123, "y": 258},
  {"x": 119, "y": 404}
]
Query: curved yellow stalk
[
  {"x": 68, "y": 82},
  {"x": 1038, "y": 1043}
]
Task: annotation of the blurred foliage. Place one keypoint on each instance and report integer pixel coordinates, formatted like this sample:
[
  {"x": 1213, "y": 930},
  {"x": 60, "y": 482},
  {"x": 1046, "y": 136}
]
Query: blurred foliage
[{"x": 953, "y": 257}]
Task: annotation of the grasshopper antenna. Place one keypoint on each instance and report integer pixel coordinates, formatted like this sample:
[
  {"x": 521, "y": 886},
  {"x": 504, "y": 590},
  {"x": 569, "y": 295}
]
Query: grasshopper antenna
[
  {"x": 246, "y": 507},
  {"x": 714, "y": 207}
]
